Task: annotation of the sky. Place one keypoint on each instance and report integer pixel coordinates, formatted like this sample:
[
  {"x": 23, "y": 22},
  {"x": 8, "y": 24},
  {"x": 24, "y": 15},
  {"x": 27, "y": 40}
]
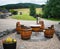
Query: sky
[{"x": 4, "y": 2}]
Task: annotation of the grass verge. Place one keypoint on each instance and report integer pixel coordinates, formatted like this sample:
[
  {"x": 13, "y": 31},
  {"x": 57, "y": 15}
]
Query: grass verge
[
  {"x": 23, "y": 17},
  {"x": 52, "y": 19}
]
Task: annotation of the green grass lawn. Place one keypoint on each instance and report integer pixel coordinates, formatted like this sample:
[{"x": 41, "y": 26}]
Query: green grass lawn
[
  {"x": 25, "y": 14},
  {"x": 39, "y": 11},
  {"x": 23, "y": 17}
]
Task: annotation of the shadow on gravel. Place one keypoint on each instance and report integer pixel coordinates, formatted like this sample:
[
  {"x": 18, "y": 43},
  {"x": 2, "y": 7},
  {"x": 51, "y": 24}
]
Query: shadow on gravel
[
  {"x": 34, "y": 38},
  {"x": 57, "y": 30},
  {"x": 58, "y": 34},
  {"x": 4, "y": 33}
]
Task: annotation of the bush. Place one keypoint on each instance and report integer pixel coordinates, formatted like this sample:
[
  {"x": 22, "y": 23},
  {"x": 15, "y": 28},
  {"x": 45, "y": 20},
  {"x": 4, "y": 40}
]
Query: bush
[
  {"x": 52, "y": 9},
  {"x": 13, "y": 12},
  {"x": 32, "y": 10}
]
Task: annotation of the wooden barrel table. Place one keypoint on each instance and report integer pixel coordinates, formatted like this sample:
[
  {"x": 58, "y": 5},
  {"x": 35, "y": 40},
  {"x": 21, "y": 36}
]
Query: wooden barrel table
[{"x": 35, "y": 28}]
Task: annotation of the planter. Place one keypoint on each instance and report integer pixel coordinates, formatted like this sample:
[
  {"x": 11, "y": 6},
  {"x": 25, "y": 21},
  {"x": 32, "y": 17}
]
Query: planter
[
  {"x": 49, "y": 33},
  {"x": 9, "y": 45},
  {"x": 26, "y": 33}
]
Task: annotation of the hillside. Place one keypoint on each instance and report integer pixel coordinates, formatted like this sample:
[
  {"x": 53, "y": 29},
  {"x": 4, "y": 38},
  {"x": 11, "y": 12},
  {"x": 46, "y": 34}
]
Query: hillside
[{"x": 20, "y": 5}]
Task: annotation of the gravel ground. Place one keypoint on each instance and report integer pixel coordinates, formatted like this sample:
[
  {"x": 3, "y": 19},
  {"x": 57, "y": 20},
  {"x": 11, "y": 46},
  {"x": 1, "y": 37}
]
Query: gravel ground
[
  {"x": 11, "y": 23},
  {"x": 38, "y": 43}
]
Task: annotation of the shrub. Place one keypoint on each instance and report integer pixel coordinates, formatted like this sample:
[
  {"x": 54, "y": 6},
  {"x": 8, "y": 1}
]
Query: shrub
[
  {"x": 32, "y": 10},
  {"x": 52, "y": 9},
  {"x": 13, "y": 12}
]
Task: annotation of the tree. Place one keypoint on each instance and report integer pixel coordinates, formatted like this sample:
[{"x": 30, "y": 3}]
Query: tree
[
  {"x": 32, "y": 10},
  {"x": 52, "y": 9},
  {"x": 13, "y": 11}
]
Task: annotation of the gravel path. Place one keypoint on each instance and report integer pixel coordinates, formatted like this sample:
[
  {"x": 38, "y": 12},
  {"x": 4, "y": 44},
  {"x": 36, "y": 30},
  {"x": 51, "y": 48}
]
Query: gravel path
[{"x": 11, "y": 23}]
